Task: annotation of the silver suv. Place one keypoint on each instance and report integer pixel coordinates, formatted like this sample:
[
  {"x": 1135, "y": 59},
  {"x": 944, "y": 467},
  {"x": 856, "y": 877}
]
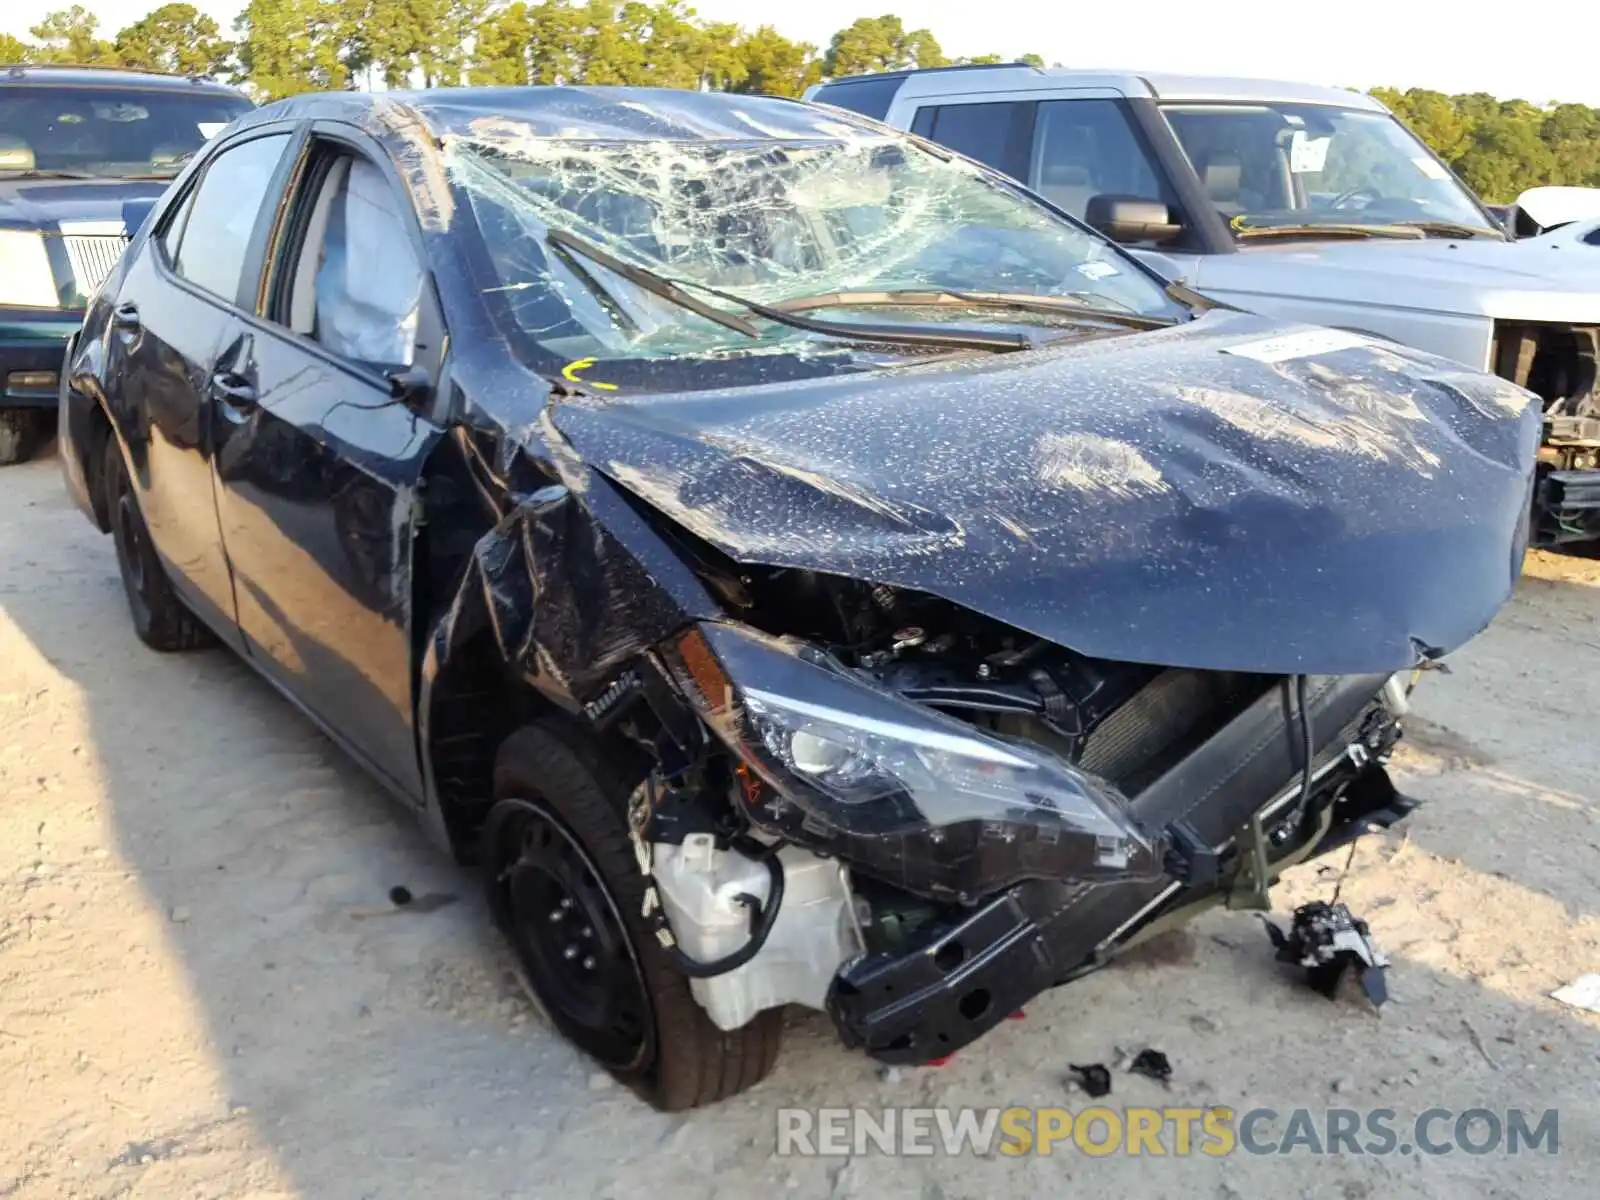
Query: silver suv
[{"x": 1300, "y": 202}]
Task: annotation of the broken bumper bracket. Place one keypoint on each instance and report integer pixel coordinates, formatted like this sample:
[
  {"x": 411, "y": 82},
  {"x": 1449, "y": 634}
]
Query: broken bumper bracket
[
  {"x": 944, "y": 995},
  {"x": 931, "y": 1001}
]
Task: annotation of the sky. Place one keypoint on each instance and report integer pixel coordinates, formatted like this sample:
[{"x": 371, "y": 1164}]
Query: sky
[{"x": 1449, "y": 45}]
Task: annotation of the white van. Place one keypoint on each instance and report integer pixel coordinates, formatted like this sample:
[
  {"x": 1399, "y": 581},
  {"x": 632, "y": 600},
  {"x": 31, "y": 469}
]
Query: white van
[{"x": 1301, "y": 202}]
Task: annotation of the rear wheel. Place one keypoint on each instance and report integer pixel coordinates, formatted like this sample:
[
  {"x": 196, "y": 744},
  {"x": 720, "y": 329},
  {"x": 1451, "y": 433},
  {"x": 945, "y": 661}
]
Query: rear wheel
[
  {"x": 159, "y": 617},
  {"x": 566, "y": 891},
  {"x": 22, "y": 431}
]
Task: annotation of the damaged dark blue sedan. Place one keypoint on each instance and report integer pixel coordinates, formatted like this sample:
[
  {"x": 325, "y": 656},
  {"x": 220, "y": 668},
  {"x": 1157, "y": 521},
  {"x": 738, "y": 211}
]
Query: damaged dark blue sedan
[{"x": 799, "y": 565}]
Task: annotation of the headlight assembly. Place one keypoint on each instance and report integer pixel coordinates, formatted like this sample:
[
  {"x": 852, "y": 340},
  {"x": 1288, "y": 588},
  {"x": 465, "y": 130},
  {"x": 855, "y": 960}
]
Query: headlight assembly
[
  {"x": 26, "y": 278},
  {"x": 921, "y": 799}
]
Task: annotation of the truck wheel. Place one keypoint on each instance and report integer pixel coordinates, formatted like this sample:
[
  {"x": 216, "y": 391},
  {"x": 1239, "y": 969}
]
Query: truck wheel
[
  {"x": 21, "y": 433},
  {"x": 159, "y": 617},
  {"x": 565, "y": 890}
]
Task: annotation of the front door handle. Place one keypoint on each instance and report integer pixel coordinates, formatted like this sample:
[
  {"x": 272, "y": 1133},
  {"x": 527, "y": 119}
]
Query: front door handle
[
  {"x": 125, "y": 317},
  {"x": 233, "y": 390}
]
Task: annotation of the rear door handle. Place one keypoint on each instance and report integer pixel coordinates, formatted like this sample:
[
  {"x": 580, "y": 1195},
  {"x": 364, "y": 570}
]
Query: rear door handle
[
  {"x": 233, "y": 390},
  {"x": 125, "y": 317}
]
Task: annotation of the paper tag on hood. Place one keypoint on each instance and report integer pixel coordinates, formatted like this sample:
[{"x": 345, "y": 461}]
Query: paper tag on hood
[{"x": 1308, "y": 344}]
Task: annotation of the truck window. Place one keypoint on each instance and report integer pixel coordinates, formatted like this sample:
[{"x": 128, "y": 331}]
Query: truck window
[
  {"x": 995, "y": 134},
  {"x": 1297, "y": 164},
  {"x": 1088, "y": 148},
  {"x": 869, "y": 97}
]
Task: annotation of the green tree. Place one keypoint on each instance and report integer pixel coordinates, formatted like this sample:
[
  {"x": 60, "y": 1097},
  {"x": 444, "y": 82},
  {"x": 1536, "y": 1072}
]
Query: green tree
[
  {"x": 1572, "y": 131},
  {"x": 175, "y": 37},
  {"x": 1505, "y": 158},
  {"x": 14, "y": 51},
  {"x": 775, "y": 66},
  {"x": 1434, "y": 117},
  {"x": 880, "y": 44},
  {"x": 70, "y": 35},
  {"x": 444, "y": 58},
  {"x": 291, "y": 46}
]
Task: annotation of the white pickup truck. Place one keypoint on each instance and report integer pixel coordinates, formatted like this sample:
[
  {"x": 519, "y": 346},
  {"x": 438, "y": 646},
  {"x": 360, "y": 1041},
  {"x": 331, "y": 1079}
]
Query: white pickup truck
[{"x": 1306, "y": 203}]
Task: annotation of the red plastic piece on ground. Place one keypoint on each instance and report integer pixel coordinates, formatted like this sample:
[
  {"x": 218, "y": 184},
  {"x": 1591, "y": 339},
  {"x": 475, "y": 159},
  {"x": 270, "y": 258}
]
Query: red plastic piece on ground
[
  {"x": 1019, "y": 1015},
  {"x": 940, "y": 1061}
]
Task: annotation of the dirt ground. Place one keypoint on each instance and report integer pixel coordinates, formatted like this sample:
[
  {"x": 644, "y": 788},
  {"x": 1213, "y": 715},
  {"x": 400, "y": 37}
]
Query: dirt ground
[{"x": 204, "y": 990}]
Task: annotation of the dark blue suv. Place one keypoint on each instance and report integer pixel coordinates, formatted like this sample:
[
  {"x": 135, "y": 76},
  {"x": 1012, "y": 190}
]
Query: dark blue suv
[{"x": 84, "y": 152}]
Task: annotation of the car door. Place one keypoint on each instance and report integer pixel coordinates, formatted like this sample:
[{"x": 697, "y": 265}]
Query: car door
[
  {"x": 318, "y": 464},
  {"x": 171, "y": 315}
]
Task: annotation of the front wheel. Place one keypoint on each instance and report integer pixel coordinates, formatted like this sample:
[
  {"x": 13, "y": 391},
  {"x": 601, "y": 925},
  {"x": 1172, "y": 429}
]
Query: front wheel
[
  {"x": 159, "y": 618},
  {"x": 22, "y": 431},
  {"x": 566, "y": 892}
]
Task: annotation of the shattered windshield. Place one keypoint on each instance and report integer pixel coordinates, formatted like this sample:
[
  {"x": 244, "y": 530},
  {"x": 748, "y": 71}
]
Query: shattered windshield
[
  {"x": 775, "y": 222},
  {"x": 1282, "y": 165},
  {"x": 107, "y": 133}
]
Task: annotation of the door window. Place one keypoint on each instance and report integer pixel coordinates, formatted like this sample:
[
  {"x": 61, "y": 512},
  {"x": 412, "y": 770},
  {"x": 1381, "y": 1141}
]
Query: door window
[
  {"x": 171, "y": 236},
  {"x": 995, "y": 134},
  {"x": 216, "y": 236},
  {"x": 1087, "y": 148},
  {"x": 869, "y": 97},
  {"x": 356, "y": 284}
]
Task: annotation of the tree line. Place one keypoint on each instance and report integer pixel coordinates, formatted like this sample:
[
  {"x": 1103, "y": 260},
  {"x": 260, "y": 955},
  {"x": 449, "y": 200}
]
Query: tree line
[{"x": 281, "y": 47}]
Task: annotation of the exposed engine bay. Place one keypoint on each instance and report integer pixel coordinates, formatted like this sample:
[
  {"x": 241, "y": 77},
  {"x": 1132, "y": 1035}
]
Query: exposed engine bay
[
  {"x": 918, "y": 926},
  {"x": 1561, "y": 365}
]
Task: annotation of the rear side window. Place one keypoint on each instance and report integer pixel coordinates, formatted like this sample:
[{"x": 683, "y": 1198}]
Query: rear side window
[
  {"x": 215, "y": 238},
  {"x": 995, "y": 134},
  {"x": 869, "y": 97},
  {"x": 1088, "y": 148}
]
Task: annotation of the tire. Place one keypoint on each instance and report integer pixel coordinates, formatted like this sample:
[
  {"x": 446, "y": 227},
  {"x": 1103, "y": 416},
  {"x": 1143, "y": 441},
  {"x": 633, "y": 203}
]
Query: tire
[
  {"x": 559, "y": 815},
  {"x": 159, "y": 617},
  {"x": 22, "y": 432}
]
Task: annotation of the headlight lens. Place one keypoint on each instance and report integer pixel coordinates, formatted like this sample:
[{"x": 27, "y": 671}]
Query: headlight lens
[
  {"x": 863, "y": 763},
  {"x": 25, "y": 275}
]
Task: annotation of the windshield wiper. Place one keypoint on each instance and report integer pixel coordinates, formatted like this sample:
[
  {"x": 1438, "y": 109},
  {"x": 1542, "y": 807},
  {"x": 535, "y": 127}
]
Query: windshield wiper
[
  {"x": 672, "y": 290},
  {"x": 1405, "y": 232},
  {"x": 1453, "y": 229},
  {"x": 34, "y": 173},
  {"x": 649, "y": 281},
  {"x": 1019, "y": 302}
]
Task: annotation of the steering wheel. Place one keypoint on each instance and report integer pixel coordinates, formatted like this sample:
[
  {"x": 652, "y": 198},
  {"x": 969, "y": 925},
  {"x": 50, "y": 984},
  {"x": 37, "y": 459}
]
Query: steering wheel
[{"x": 1343, "y": 199}]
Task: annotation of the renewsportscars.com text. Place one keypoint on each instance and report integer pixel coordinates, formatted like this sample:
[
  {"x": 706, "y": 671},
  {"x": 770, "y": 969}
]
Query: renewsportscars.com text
[{"x": 1176, "y": 1131}]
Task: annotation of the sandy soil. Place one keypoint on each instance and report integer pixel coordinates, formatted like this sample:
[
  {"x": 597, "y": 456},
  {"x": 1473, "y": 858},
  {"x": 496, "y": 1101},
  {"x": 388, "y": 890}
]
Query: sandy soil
[{"x": 204, "y": 990}]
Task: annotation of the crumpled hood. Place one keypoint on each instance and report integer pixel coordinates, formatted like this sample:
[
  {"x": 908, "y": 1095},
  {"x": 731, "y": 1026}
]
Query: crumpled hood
[
  {"x": 1467, "y": 276},
  {"x": 1149, "y": 497},
  {"x": 45, "y": 204}
]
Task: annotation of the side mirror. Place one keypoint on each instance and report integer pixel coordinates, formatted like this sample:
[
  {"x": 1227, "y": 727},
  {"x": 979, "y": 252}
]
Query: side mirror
[
  {"x": 136, "y": 212},
  {"x": 1131, "y": 219},
  {"x": 410, "y": 385}
]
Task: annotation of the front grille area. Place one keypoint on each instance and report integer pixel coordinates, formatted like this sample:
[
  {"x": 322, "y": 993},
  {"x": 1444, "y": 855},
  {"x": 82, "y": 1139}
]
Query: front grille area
[
  {"x": 1557, "y": 362},
  {"x": 93, "y": 256},
  {"x": 1166, "y": 720}
]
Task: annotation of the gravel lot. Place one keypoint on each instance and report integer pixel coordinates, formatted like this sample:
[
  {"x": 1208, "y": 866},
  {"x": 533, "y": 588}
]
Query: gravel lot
[{"x": 204, "y": 990}]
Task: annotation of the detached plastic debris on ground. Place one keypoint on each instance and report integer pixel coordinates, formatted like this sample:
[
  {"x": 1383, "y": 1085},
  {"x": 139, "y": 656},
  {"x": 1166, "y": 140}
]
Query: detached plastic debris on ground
[
  {"x": 1583, "y": 992},
  {"x": 1328, "y": 940}
]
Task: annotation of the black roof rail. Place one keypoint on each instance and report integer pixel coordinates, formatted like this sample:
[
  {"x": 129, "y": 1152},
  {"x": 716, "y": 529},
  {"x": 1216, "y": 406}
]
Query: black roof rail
[
  {"x": 907, "y": 71},
  {"x": 16, "y": 69}
]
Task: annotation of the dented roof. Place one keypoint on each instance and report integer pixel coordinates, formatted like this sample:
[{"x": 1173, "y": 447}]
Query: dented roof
[{"x": 587, "y": 113}]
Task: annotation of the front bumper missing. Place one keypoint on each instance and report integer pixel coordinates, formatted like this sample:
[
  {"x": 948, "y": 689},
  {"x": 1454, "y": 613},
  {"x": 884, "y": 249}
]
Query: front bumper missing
[{"x": 946, "y": 993}]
